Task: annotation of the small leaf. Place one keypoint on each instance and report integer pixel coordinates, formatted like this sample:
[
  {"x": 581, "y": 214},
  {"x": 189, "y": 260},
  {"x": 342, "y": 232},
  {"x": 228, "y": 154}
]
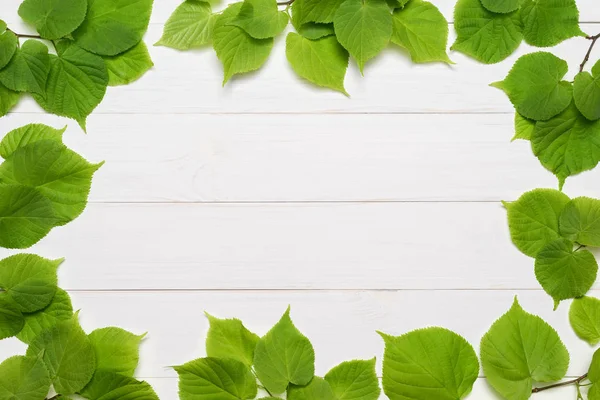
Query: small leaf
[
  {"x": 521, "y": 348},
  {"x": 421, "y": 29},
  {"x": 565, "y": 273},
  {"x": 129, "y": 66},
  {"x": 364, "y": 28},
  {"x": 316, "y": 389},
  {"x": 586, "y": 92},
  {"x": 116, "y": 349},
  {"x": 68, "y": 354},
  {"x": 502, "y": 6},
  {"x": 11, "y": 318},
  {"x": 524, "y": 127},
  {"x": 486, "y": 36},
  {"x": 229, "y": 338},
  {"x": 29, "y": 68},
  {"x": 425, "y": 364},
  {"x": 320, "y": 11},
  {"x": 533, "y": 219},
  {"x": 238, "y": 51},
  {"x": 535, "y": 87},
  {"x": 113, "y": 26},
  {"x": 8, "y": 99},
  {"x": 191, "y": 25},
  {"x": 549, "y": 22},
  {"x": 323, "y": 62},
  {"x": 60, "y": 309},
  {"x": 580, "y": 221},
  {"x": 24, "y": 378},
  {"x": 8, "y": 47},
  {"x": 27, "y": 134},
  {"x": 216, "y": 378},
  {"x": 284, "y": 356},
  {"x": 261, "y": 19},
  {"x": 584, "y": 316},
  {"x": 310, "y": 30},
  {"x": 54, "y": 19},
  {"x": 107, "y": 385},
  {"x": 354, "y": 380}
]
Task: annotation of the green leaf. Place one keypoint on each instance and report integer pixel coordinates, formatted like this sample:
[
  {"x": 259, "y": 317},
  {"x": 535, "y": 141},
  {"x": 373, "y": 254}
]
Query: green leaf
[
  {"x": 594, "y": 371},
  {"x": 107, "y": 385},
  {"x": 524, "y": 127},
  {"x": 586, "y": 92},
  {"x": 28, "y": 134},
  {"x": 521, "y": 348},
  {"x": 229, "y": 338},
  {"x": 191, "y": 25},
  {"x": 317, "y": 389},
  {"x": 60, "y": 174},
  {"x": 261, "y": 19},
  {"x": 54, "y": 19},
  {"x": 584, "y": 316},
  {"x": 580, "y": 221},
  {"x": 323, "y": 62},
  {"x": 364, "y": 28},
  {"x": 594, "y": 392},
  {"x": 113, "y": 26},
  {"x": 486, "y": 36},
  {"x": 567, "y": 144},
  {"x": 117, "y": 350},
  {"x": 397, "y": 3},
  {"x": 284, "y": 356},
  {"x": 216, "y": 378},
  {"x": 320, "y": 11},
  {"x": 8, "y": 47},
  {"x": 310, "y": 30},
  {"x": 565, "y": 273},
  {"x": 3, "y": 26},
  {"x": 29, "y": 280},
  {"x": 533, "y": 219},
  {"x": 26, "y": 216},
  {"x": 535, "y": 87},
  {"x": 24, "y": 378},
  {"x": 11, "y": 318},
  {"x": 76, "y": 84},
  {"x": 238, "y": 51},
  {"x": 432, "y": 363},
  {"x": 29, "y": 68},
  {"x": 502, "y": 6},
  {"x": 68, "y": 354},
  {"x": 8, "y": 99},
  {"x": 60, "y": 309},
  {"x": 549, "y": 22},
  {"x": 354, "y": 380},
  {"x": 129, "y": 66},
  {"x": 421, "y": 29}
]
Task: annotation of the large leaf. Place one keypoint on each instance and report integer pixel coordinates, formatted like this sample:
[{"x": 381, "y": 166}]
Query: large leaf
[
  {"x": 27, "y": 134},
  {"x": 11, "y": 318},
  {"x": 284, "y": 356},
  {"x": 319, "y": 11},
  {"x": 261, "y": 19},
  {"x": 54, "y": 19},
  {"x": 584, "y": 316},
  {"x": 113, "y": 26},
  {"x": 323, "y": 61},
  {"x": 8, "y": 46},
  {"x": 486, "y": 36},
  {"x": 216, "y": 378},
  {"x": 354, "y": 380},
  {"x": 229, "y": 338},
  {"x": 60, "y": 174},
  {"x": 567, "y": 144},
  {"x": 128, "y": 66},
  {"x": 586, "y": 92},
  {"x": 68, "y": 354},
  {"x": 238, "y": 51},
  {"x": 76, "y": 84},
  {"x": 364, "y": 28},
  {"x": 549, "y": 22},
  {"x": 117, "y": 350},
  {"x": 8, "y": 99},
  {"x": 317, "y": 389},
  {"x": 535, "y": 87},
  {"x": 563, "y": 272},
  {"x": 422, "y": 29},
  {"x": 29, "y": 280},
  {"x": 190, "y": 26},
  {"x": 29, "y": 68},
  {"x": 60, "y": 309},
  {"x": 502, "y": 6},
  {"x": 580, "y": 221},
  {"x": 521, "y": 348},
  {"x": 533, "y": 219},
  {"x": 107, "y": 385},
  {"x": 24, "y": 378},
  {"x": 432, "y": 363}
]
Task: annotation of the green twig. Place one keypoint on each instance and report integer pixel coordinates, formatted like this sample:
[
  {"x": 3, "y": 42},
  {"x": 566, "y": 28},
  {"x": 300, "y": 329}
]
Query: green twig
[
  {"x": 561, "y": 384},
  {"x": 22, "y": 35}
]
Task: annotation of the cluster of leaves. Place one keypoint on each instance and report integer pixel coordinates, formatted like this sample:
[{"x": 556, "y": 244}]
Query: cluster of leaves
[
  {"x": 98, "y": 43},
  {"x": 327, "y": 33},
  {"x": 43, "y": 184},
  {"x": 491, "y": 30},
  {"x": 61, "y": 358}
]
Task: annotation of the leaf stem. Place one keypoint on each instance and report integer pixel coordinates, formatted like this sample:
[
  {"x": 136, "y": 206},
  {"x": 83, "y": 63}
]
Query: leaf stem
[
  {"x": 581, "y": 246},
  {"x": 594, "y": 39},
  {"x": 561, "y": 384},
  {"x": 285, "y": 3},
  {"x": 261, "y": 385},
  {"x": 22, "y": 35}
]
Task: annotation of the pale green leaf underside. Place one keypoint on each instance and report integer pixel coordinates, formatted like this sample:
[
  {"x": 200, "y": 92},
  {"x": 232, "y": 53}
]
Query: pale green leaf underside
[
  {"x": 106, "y": 385},
  {"x": 320, "y": 11},
  {"x": 28, "y": 134},
  {"x": 580, "y": 221},
  {"x": 317, "y": 389},
  {"x": 584, "y": 316},
  {"x": 524, "y": 127},
  {"x": 261, "y": 19},
  {"x": 354, "y": 380},
  {"x": 116, "y": 349},
  {"x": 54, "y": 19},
  {"x": 229, "y": 338},
  {"x": 309, "y": 30},
  {"x": 190, "y": 26},
  {"x": 129, "y": 66},
  {"x": 24, "y": 378},
  {"x": 549, "y": 22},
  {"x": 60, "y": 309}
]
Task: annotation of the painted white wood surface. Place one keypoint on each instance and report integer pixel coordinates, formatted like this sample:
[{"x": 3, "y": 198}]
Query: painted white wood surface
[{"x": 379, "y": 212}]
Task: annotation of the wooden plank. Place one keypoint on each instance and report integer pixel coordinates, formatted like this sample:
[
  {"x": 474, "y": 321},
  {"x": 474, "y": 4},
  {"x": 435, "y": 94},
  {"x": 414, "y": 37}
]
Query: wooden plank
[{"x": 281, "y": 158}]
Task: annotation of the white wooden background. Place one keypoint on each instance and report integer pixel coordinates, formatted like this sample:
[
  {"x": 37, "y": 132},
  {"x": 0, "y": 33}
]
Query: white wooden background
[{"x": 377, "y": 212}]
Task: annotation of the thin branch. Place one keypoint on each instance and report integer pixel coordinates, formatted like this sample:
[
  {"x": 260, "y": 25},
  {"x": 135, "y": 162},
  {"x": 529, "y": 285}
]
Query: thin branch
[
  {"x": 581, "y": 246},
  {"x": 561, "y": 384},
  {"x": 21, "y": 35},
  {"x": 285, "y": 3},
  {"x": 594, "y": 39}
]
